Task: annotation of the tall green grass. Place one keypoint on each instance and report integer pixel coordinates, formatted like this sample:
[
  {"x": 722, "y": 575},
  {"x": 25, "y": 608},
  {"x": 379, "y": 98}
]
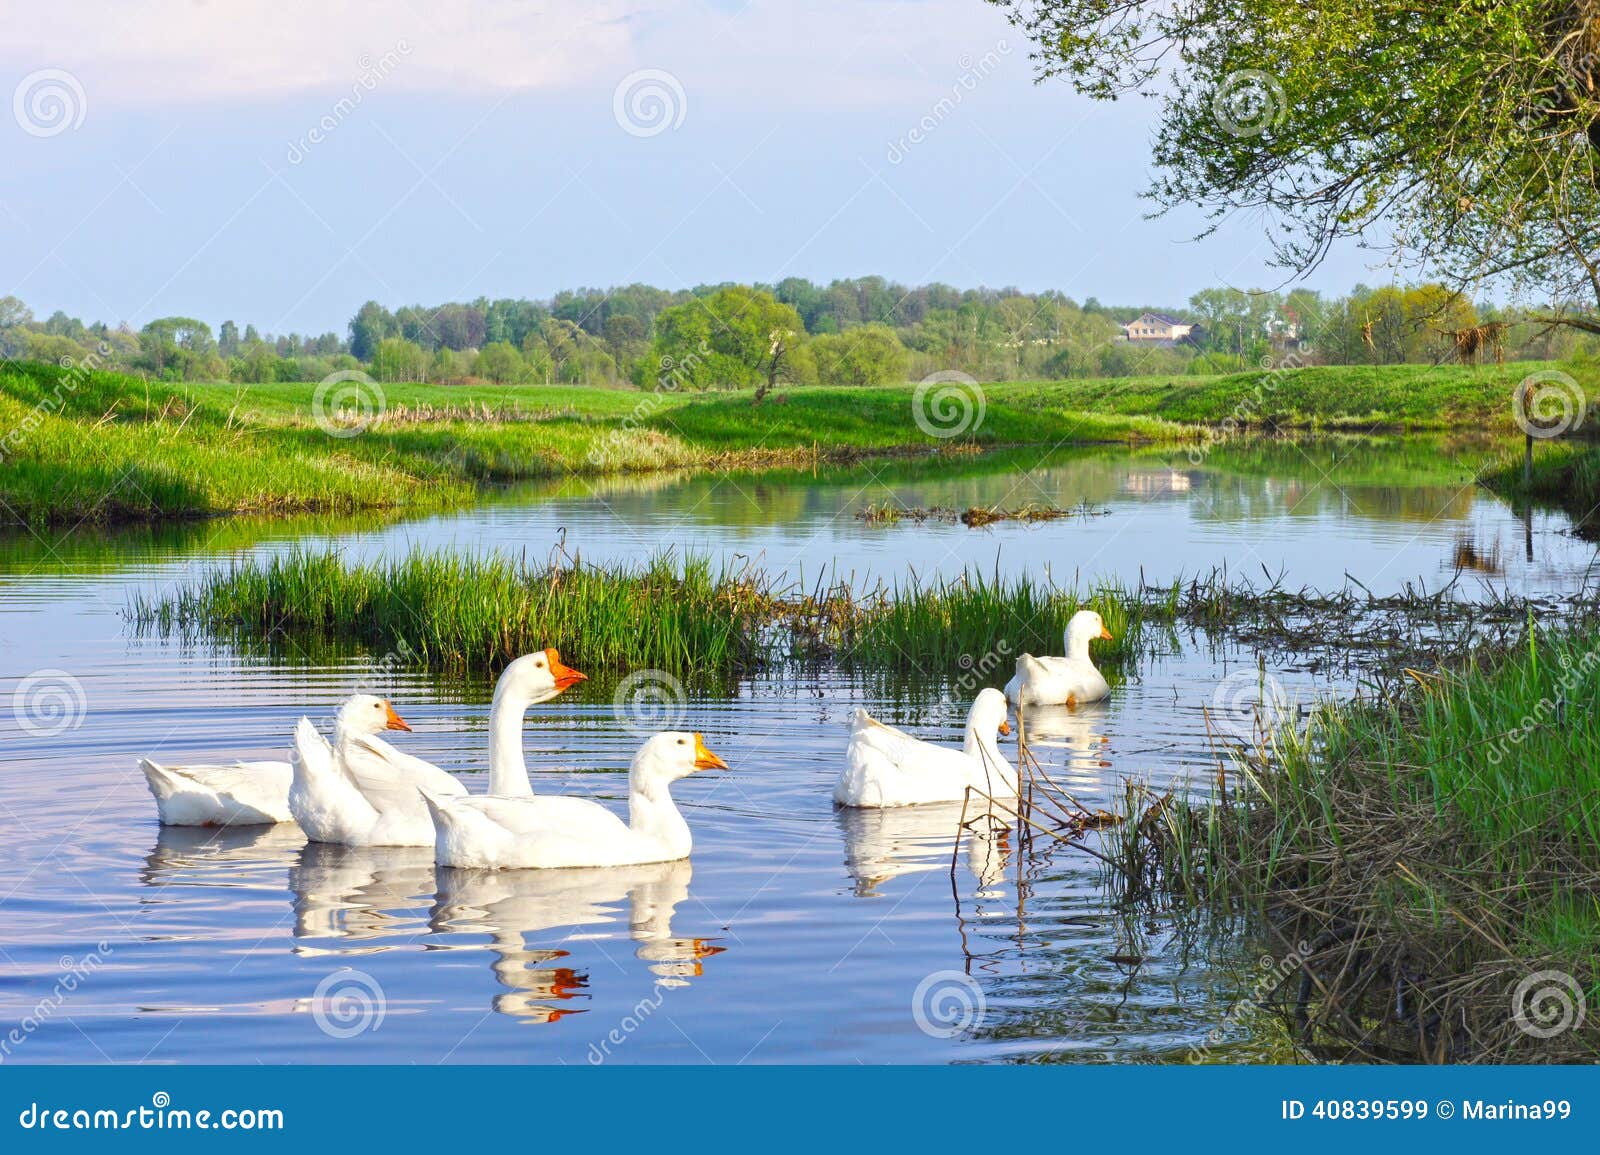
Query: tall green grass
[{"x": 475, "y": 613}]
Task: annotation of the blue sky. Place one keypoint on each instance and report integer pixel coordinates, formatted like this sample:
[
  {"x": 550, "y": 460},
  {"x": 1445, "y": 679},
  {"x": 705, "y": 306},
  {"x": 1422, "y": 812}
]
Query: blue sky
[{"x": 490, "y": 153}]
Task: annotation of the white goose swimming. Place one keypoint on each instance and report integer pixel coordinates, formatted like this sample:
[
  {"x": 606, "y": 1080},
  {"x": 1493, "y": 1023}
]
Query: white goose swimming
[
  {"x": 888, "y": 767},
  {"x": 387, "y": 809},
  {"x": 241, "y": 794},
  {"x": 496, "y": 833},
  {"x": 323, "y": 796},
  {"x": 1066, "y": 681}
]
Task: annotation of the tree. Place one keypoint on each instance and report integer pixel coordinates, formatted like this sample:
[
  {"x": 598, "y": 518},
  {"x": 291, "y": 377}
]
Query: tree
[
  {"x": 1466, "y": 136},
  {"x": 177, "y": 347},
  {"x": 865, "y": 355},
  {"x": 228, "y": 340},
  {"x": 500, "y": 362},
  {"x": 734, "y": 336},
  {"x": 371, "y": 324},
  {"x": 397, "y": 359}
]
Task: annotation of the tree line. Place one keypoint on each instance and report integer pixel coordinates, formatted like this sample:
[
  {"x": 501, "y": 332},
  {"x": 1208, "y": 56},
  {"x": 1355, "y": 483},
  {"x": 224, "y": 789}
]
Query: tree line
[{"x": 859, "y": 331}]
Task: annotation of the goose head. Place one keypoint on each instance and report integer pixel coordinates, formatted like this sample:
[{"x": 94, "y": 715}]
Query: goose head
[
  {"x": 988, "y": 714},
  {"x": 1084, "y": 627},
  {"x": 366, "y": 714},
  {"x": 537, "y": 677},
  {"x": 669, "y": 756}
]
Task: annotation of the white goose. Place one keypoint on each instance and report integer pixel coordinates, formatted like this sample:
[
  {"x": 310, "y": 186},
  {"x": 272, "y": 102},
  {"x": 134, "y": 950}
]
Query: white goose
[
  {"x": 323, "y": 796},
  {"x": 888, "y": 767},
  {"x": 496, "y": 833},
  {"x": 387, "y": 809},
  {"x": 1067, "y": 681},
  {"x": 245, "y": 793}
]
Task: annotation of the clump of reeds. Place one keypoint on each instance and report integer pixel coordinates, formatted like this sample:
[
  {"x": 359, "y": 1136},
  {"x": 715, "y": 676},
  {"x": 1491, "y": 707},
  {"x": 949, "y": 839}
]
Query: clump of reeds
[
  {"x": 1417, "y": 857},
  {"x": 975, "y": 516}
]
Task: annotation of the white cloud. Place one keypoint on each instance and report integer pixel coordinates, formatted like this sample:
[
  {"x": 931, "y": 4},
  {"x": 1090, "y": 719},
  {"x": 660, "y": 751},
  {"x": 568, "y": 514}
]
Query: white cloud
[{"x": 166, "y": 50}]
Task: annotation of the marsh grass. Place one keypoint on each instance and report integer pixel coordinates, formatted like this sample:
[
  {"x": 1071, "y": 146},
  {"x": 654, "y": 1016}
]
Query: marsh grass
[{"x": 1433, "y": 848}]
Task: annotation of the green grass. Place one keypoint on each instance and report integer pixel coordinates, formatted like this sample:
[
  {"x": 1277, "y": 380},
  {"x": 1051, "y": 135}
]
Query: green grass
[
  {"x": 1335, "y": 397},
  {"x": 1564, "y": 473},
  {"x": 104, "y": 448},
  {"x": 1444, "y": 841},
  {"x": 472, "y": 614}
]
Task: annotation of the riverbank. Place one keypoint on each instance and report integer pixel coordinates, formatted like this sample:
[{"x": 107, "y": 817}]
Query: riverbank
[
  {"x": 101, "y": 448},
  {"x": 1437, "y": 852},
  {"x": 1563, "y": 474}
]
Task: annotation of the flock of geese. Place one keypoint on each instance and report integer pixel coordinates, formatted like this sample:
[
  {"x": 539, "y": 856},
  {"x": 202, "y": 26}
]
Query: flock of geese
[{"x": 361, "y": 791}]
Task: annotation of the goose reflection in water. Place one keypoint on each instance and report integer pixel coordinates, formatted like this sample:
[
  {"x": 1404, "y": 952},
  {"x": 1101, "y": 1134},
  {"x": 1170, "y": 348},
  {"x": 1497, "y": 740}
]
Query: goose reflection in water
[
  {"x": 881, "y": 845},
  {"x": 219, "y": 855},
  {"x": 1069, "y": 742},
  {"x": 365, "y": 894},
  {"x": 581, "y": 906}
]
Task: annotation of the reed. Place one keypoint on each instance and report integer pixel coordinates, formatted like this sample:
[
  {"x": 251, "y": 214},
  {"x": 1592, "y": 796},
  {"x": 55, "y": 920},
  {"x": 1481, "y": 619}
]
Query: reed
[{"x": 1432, "y": 849}]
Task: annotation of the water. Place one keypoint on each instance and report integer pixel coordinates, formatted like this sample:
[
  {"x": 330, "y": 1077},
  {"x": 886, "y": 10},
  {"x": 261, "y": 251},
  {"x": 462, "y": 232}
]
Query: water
[{"x": 795, "y": 933}]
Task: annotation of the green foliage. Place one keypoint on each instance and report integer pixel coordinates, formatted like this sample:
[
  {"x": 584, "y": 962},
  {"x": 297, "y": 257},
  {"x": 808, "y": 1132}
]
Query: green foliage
[{"x": 866, "y": 355}]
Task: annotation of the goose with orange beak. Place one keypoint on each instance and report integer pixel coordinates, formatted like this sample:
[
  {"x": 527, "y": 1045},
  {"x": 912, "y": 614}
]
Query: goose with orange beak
[
  {"x": 546, "y": 832},
  {"x": 1065, "y": 681},
  {"x": 386, "y": 808}
]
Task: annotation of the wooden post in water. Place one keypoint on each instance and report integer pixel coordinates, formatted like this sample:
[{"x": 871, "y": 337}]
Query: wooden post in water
[{"x": 1527, "y": 436}]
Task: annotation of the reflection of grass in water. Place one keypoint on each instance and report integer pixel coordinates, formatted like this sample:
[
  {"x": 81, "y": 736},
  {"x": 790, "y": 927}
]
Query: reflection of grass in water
[
  {"x": 1435, "y": 846},
  {"x": 1564, "y": 474}
]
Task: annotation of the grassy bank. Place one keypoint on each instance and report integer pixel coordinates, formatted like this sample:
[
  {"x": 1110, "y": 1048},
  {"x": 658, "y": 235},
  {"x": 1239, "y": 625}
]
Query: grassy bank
[
  {"x": 1564, "y": 474},
  {"x": 103, "y": 448},
  {"x": 1334, "y": 397},
  {"x": 1433, "y": 849}
]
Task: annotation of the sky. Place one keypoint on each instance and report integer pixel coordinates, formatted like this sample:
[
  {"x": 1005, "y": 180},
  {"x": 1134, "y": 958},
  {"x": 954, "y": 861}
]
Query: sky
[{"x": 279, "y": 163}]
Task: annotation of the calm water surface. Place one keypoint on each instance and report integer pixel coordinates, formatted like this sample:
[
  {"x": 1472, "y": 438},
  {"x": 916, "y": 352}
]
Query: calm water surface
[{"x": 795, "y": 933}]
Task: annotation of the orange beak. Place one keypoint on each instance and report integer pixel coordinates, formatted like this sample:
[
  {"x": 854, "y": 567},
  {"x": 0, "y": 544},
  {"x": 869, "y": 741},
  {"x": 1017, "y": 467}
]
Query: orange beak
[
  {"x": 1105, "y": 634},
  {"x": 704, "y": 759},
  {"x": 394, "y": 721},
  {"x": 1005, "y": 727},
  {"x": 566, "y": 677}
]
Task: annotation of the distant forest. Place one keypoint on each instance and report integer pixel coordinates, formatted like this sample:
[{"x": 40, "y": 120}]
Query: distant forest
[{"x": 862, "y": 331}]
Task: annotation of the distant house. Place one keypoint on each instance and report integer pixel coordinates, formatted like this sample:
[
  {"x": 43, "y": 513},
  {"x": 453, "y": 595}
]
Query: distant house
[{"x": 1157, "y": 329}]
